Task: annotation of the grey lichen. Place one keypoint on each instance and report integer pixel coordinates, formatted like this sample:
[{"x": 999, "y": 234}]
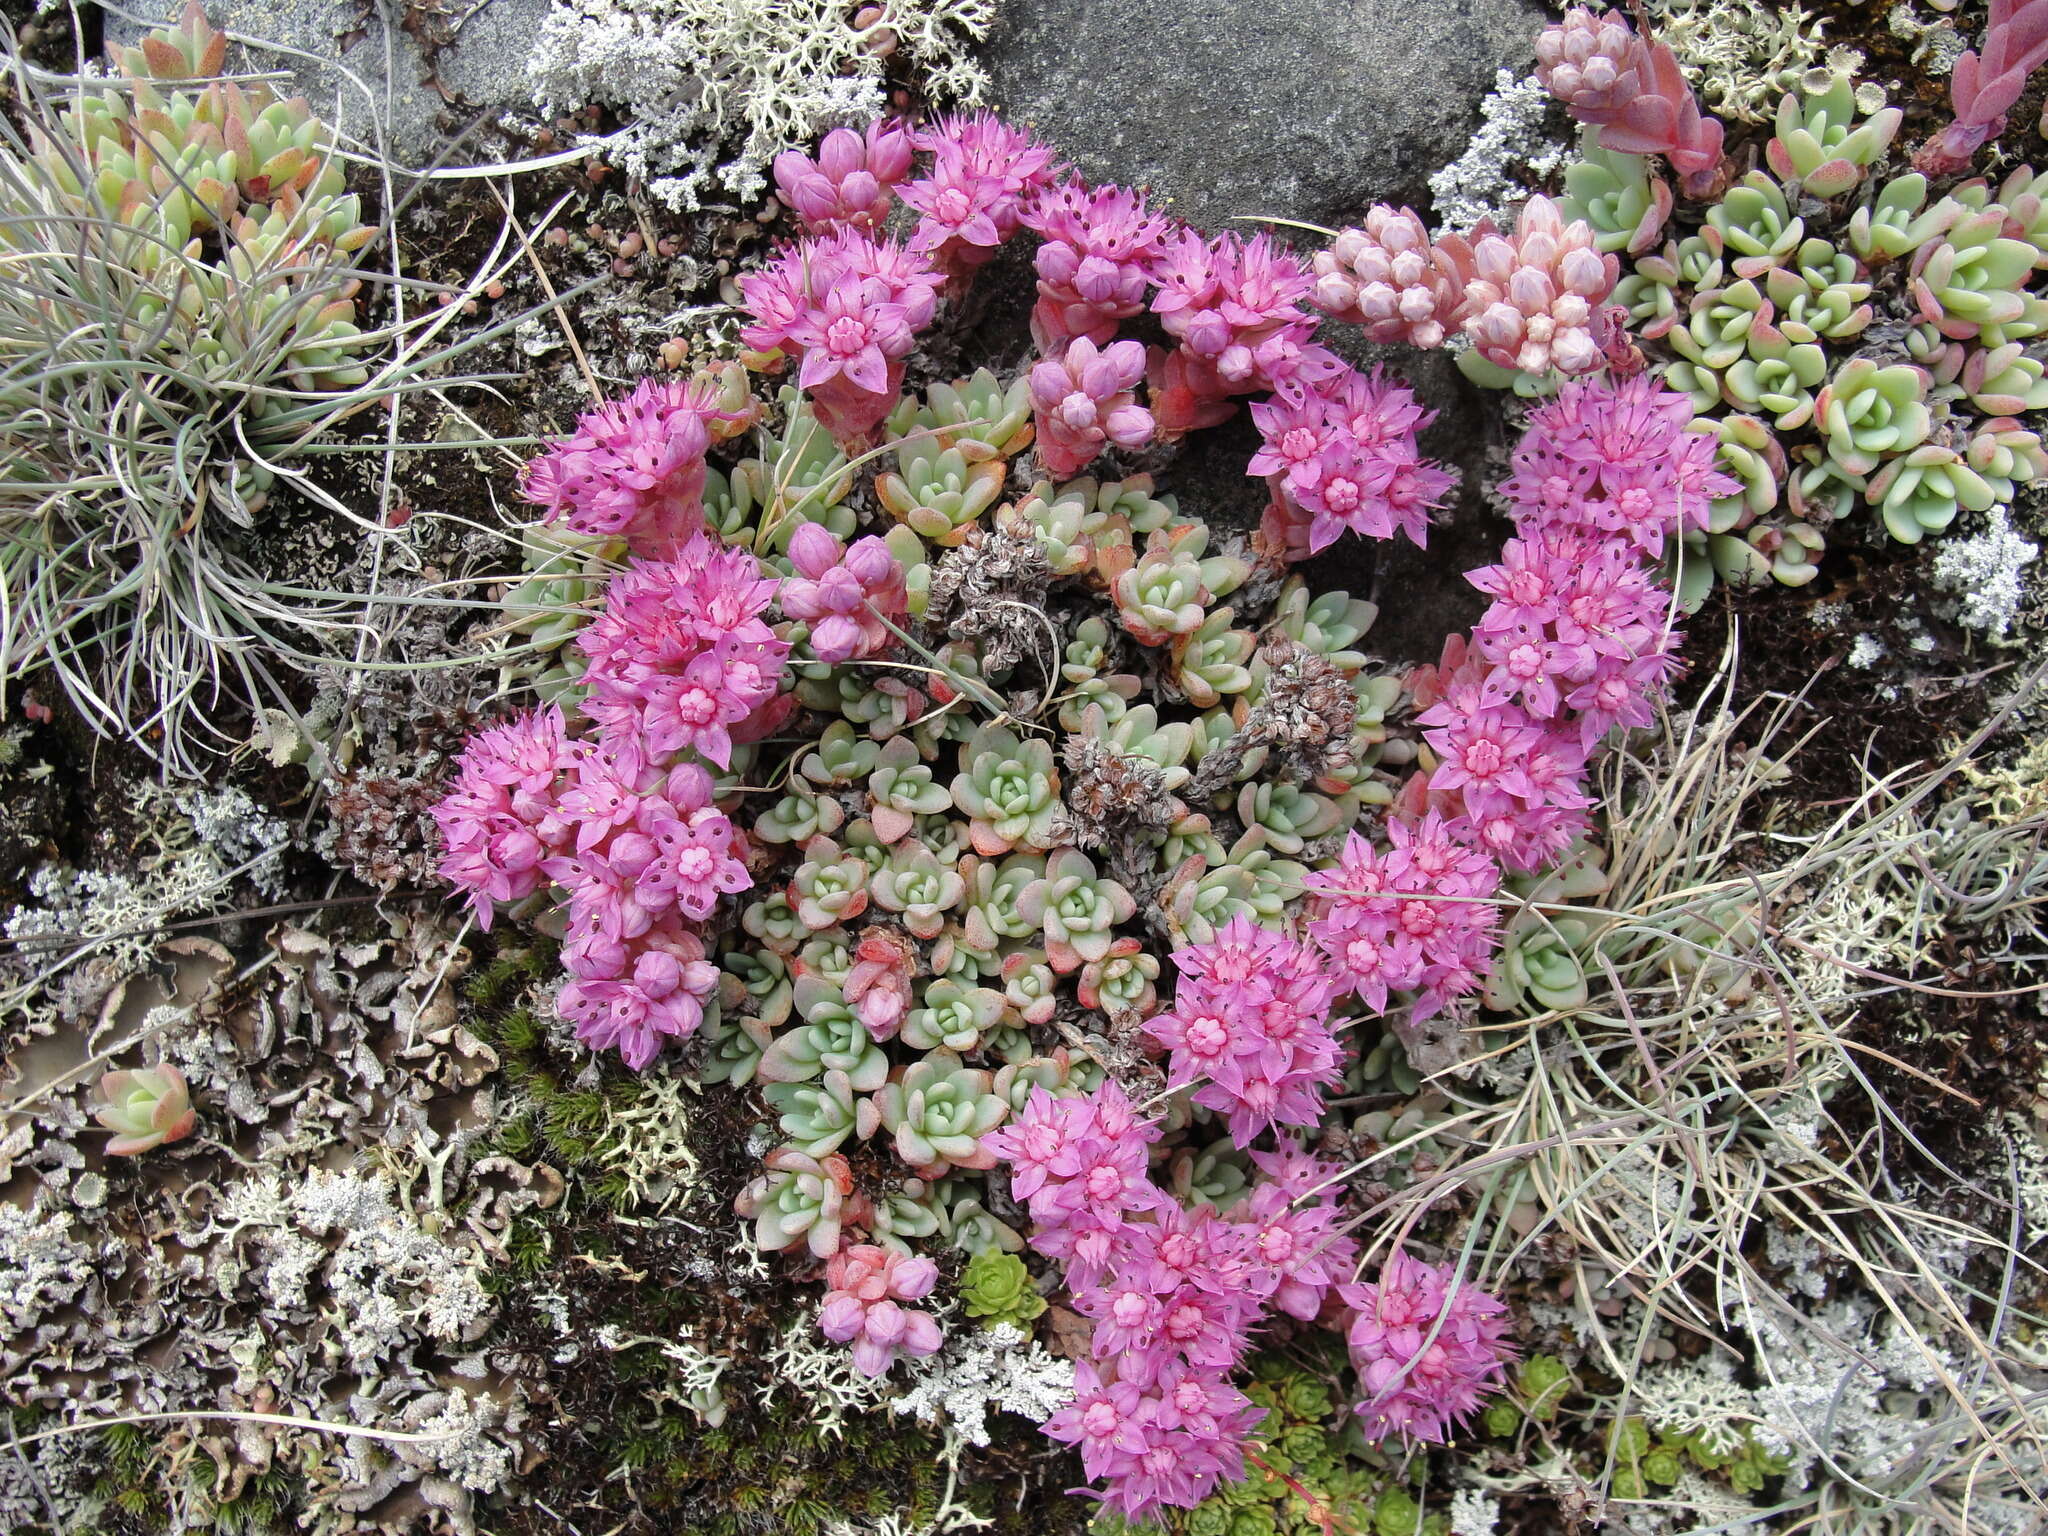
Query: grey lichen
[
  {"x": 86, "y": 932},
  {"x": 1520, "y": 145},
  {"x": 321, "y": 1247},
  {"x": 713, "y": 89},
  {"x": 1744, "y": 55},
  {"x": 42, "y": 1268},
  {"x": 982, "y": 1369},
  {"x": 1987, "y": 573},
  {"x": 1937, "y": 44}
]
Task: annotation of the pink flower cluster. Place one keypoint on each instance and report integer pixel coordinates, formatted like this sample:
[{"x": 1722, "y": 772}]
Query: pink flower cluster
[
  {"x": 1250, "y": 1023},
  {"x": 845, "y": 595},
  {"x": 624, "y": 823},
  {"x": 848, "y": 185},
  {"x": 644, "y": 855},
  {"x": 1235, "y": 308},
  {"x": 1579, "y": 637},
  {"x": 973, "y": 198},
  {"x": 1340, "y": 454},
  {"x": 503, "y": 816},
  {"x": 1427, "y": 1348},
  {"x": 1291, "y": 1217},
  {"x": 1096, "y": 262},
  {"x": 1083, "y": 398},
  {"x": 1079, "y": 1164},
  {"x": 865, "y": 1286},
  {"x": 1418, "y": 917},
  {"x": 680, "y": 653},
  {"x": 639, "y": 849},
  {"x": 1173, "y": 1292},
  {"x": 849, "y": 307},
  {"x": 633, "y": 468},
  {"x": 1633, "y": 91}
]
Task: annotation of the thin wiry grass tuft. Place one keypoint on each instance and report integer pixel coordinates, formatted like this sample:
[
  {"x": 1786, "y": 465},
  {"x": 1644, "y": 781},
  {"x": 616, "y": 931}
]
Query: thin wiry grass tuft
[
  {"x": 148, "y": 412},
  {"x": 1713, "y": 1087}
]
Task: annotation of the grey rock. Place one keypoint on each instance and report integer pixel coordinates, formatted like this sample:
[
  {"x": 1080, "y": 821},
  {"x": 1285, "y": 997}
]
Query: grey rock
[
  {"x": 370, "y": 78},
  {"x": 1300, "y": 109}
]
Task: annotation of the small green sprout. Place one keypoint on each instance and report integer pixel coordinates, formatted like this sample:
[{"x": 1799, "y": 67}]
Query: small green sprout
[{"x": 996, "y": 1287}]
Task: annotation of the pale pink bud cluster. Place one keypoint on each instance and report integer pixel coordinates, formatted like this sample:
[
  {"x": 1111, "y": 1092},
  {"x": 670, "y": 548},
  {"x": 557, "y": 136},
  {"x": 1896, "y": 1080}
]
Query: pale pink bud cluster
[
  {"x": 1083, "y": 399},
  {"x": 849, "y": 183},
  {"x": 1590, "y": 61},
  {"x": 1385, "y": 276},
  {"x": 633, "y": 468},
  {"x": 1531, "y": 299},
  {"x": 846, "y": 595},
  {"x": 866, "y": 1287},
  {"x": 1633, "y": 91},
  {"x": 972, "y": 200},
  {"x": 849, "y": 307},
  {"x": 1095, "y": 264},
  {"x": 1428, "y": 1347}
]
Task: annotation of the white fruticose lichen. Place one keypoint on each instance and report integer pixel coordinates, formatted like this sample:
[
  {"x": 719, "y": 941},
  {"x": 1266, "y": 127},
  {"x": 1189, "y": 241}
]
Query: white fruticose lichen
[
  {"x": 1743, "y": 55},
  {"x": 647, "y": 1142},
  {"x": 984, "y": 1368},
  {"x": 713, "y": 89},
  {"x": 1829, "y": 1383},
  {"x": 1987, "y": 572},
  {"x": 1866, "y": 651},
  {"x": 1514, "y": 139},
  {"x": 823, "y": 1374},
  {"x": 1698, "y": 1397},
  {"x": 1474, "y": 1513}
]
